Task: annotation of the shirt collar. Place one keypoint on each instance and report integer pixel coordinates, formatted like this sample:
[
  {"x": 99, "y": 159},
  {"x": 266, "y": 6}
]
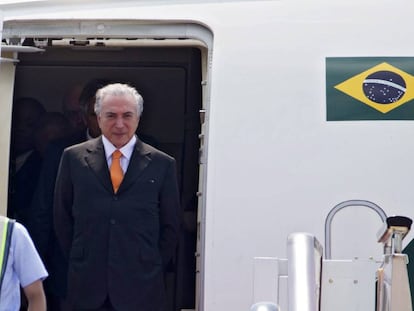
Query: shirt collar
[{"x": 125, "y": 150}]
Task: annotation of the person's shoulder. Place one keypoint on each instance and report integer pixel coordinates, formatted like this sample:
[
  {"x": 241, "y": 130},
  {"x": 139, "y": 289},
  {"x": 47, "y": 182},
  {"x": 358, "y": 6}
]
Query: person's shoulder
[
  {"x": 11, "y": 223},
  {"x": 67, "y": 141},
  {"x": 26, "y": 258},
  {"x": 20, "y": 235},
  {"x": 20, "y": 229},
  {"x": 154, "y": 152},
  {"x": 14, "y": 229},
  {"x": 86, "y": 145}
]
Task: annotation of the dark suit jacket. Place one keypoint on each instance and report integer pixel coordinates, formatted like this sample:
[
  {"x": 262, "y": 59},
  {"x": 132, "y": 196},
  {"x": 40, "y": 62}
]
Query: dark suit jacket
[
  {"x": 117, "y": 244},
  {"x": 40, "y": 224},
  {"x": 22, "y": 185}
]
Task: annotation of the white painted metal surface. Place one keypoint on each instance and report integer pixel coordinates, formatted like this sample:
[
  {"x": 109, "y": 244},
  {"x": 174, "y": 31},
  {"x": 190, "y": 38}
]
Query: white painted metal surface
[
  {"x": 315, "y": 284},
  {"x": 269, "y": 280},
  {"x": 304, "y": 270},
  {"x": 273, "y": 165},
  {"x": 348, "y": 285}
]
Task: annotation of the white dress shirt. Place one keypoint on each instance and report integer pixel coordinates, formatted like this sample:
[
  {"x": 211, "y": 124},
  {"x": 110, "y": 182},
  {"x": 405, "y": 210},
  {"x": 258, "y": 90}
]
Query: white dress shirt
[{"x": 125, "y": 150}]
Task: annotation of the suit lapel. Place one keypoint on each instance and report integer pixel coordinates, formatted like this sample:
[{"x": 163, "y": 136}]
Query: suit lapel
[
  {"x": 140, "y": 159},
  {"x": 95, "y": 157}
]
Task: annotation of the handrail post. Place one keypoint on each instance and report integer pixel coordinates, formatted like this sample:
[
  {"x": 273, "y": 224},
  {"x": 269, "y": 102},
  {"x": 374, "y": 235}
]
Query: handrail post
[{"x": 340, "y": 206}]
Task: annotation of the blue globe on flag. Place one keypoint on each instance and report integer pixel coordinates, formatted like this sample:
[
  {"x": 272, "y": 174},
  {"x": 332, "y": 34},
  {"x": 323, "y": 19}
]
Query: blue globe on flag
[{"x": 384, "y": 87}]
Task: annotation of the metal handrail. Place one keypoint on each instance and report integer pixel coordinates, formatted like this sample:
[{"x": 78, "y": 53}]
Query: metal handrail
[{"x": 337, "y": 208}]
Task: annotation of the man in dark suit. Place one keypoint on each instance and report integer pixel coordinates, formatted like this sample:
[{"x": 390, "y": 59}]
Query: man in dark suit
[{"x": 118, "y": 237}]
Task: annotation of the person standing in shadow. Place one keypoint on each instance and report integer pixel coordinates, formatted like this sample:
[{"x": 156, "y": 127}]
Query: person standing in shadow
[
  {"x": 25, "y": 160},
  {"x": 72, "y": 109}
]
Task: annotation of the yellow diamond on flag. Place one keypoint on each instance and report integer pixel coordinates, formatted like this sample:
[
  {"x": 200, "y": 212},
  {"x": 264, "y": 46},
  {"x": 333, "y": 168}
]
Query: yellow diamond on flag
[{"x": 382, "y": 87}]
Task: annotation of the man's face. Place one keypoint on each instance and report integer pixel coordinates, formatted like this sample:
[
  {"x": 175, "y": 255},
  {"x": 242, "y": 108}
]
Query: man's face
[
  {"x": 25, "y": 122},
  {"x": 72, "y": 109},
  {"x": 91, "y": 120},
  {"x": 118, "y": 119}
]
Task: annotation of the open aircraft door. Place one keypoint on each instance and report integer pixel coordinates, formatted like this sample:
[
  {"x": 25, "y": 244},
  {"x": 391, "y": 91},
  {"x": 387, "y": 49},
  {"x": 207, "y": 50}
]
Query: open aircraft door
[{"x": 170, "y": 63}]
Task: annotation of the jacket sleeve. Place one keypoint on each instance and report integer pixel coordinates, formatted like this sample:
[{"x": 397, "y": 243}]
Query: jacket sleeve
[
  {"x": 169, "y": 214},
  {"x": 40, "y": 224},
  {"x": 62, "y": 205}
]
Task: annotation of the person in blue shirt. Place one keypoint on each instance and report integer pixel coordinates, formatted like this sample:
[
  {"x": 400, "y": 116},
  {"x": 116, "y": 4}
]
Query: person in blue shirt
[{"x": 21, "y": 266}]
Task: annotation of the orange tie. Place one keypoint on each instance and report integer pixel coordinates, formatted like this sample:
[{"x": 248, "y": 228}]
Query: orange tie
[{"x": 116, "y": 171}]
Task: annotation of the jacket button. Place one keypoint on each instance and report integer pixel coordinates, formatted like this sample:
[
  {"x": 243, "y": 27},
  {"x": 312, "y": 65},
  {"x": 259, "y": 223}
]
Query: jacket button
[
  {"x": 115, "y": 198},
  {"x": 112, "y": 221}
]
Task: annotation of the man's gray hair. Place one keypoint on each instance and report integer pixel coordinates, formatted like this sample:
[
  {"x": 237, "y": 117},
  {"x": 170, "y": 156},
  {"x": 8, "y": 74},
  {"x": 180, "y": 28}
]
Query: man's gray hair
[{"x": 118, "y": 89}]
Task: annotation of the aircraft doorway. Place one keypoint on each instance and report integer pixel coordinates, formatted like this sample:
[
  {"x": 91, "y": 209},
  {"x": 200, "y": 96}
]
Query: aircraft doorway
[{"x": 170, "y": 80}]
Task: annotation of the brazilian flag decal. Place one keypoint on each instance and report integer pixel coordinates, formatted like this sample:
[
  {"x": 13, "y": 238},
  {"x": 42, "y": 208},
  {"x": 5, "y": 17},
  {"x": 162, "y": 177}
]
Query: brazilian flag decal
[{"x": 370, "y": 88}]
